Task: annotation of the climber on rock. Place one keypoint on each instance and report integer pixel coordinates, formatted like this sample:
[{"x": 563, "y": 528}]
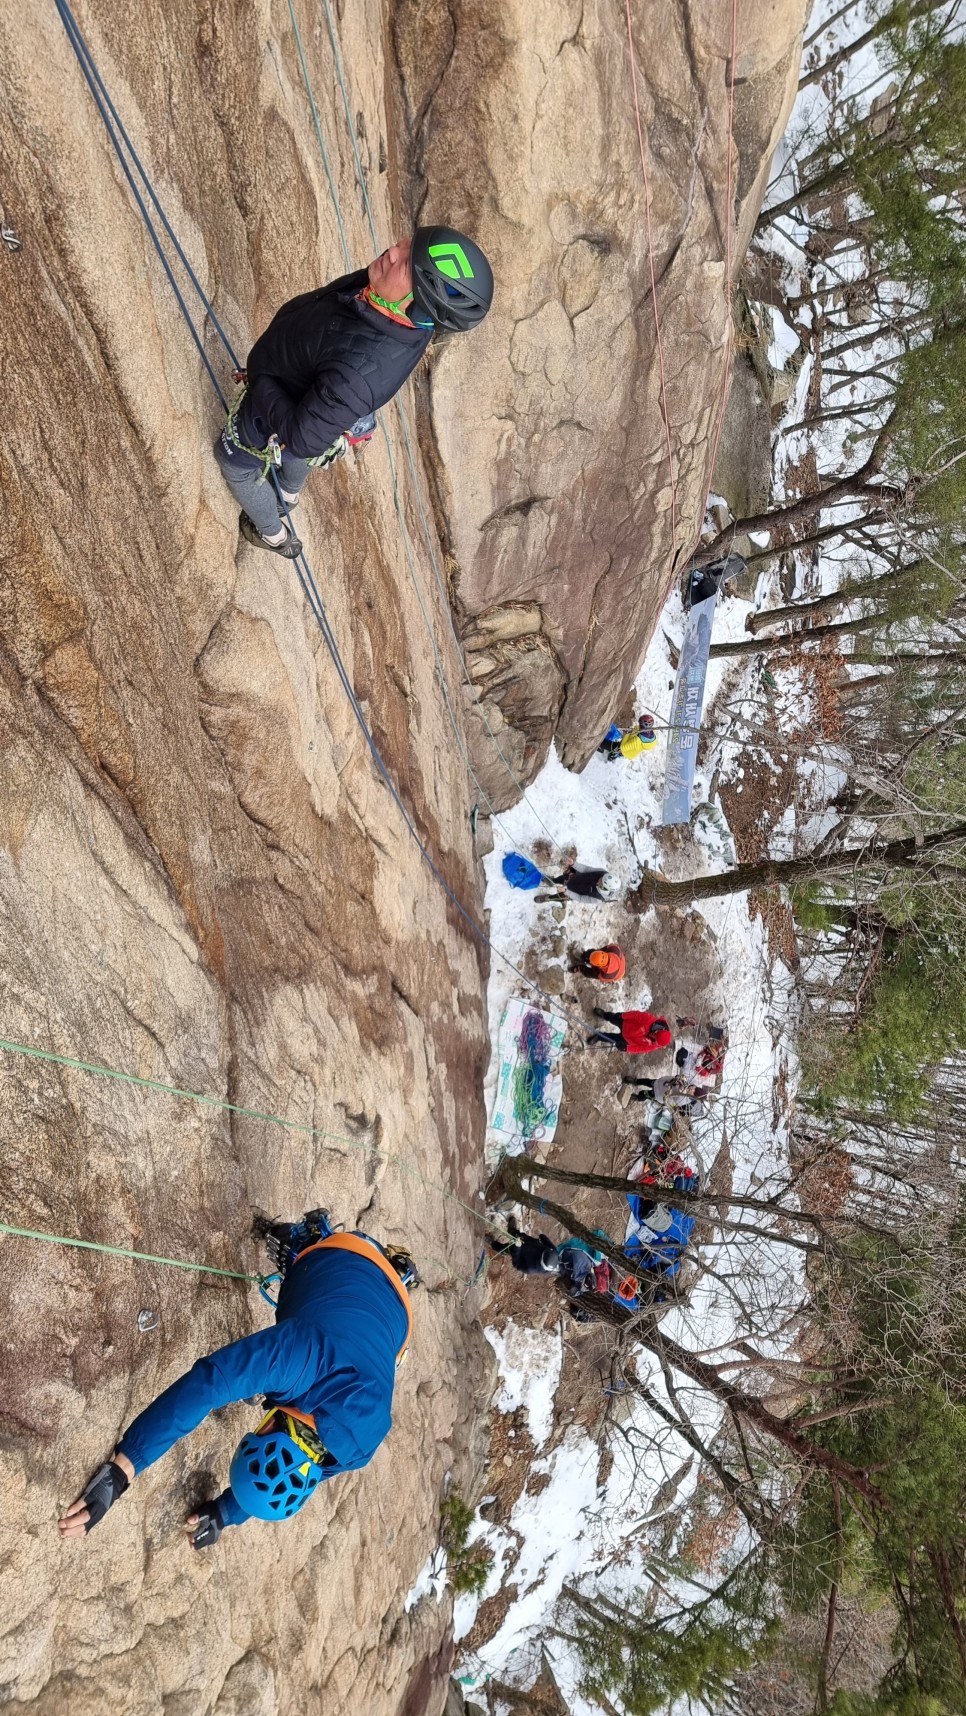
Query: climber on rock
[
  {"x": 326, "y": 1369},
  {"x": 329, "y": 359},
  {"x": 628, "y": 742}
]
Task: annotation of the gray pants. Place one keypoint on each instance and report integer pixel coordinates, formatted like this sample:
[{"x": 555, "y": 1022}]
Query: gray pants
[{"x": 254, "y": 492}]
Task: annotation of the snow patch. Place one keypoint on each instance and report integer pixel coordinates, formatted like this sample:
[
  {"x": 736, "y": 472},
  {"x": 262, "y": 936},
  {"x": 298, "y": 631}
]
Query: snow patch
[
  {"x": 430, "y": 1580},
  {"x": 529, "y": 1361}
]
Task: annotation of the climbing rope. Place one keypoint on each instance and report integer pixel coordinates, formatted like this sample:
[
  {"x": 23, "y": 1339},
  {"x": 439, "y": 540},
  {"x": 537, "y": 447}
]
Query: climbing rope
[
  {"x": 123, "y": 1251},
  {"x": 653, "y": 276},
  {"x": 337, "y": 208},
  {"x": 730, "y": 353},
  {"x": 652, "y": 271},
  {"x": 361, "y": 1146}
]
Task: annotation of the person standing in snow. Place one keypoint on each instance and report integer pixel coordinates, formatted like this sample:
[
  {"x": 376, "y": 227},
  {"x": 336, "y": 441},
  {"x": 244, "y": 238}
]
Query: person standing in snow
[
  {"x": 531, "y": 1256},
  {"x": 637, "y": 1033},
  {"x": 330, "y": 358},
  {"x": 587, "y": 884},
  {"x": 327, "y": 1369}
]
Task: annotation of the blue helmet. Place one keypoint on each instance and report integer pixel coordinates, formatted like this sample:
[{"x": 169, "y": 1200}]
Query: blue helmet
[{"x": 276, "y": 1467}]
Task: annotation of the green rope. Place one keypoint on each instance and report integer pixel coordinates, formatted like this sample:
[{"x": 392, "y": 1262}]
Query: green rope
[
  {"x": 221, "y": 1102},
  {"x": 122, "y": 1251},
  {"x": 528, "y": 1109}
]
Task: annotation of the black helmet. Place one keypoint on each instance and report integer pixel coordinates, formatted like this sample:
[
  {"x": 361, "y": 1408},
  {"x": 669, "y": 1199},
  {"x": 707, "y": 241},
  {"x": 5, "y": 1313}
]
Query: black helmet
[{"x": 452, "y": 280}]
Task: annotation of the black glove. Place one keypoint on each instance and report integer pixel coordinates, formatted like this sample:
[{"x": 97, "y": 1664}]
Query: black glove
[
  {"x": 102, "y": 1491},
  {"x": 210, "y": 1526}
]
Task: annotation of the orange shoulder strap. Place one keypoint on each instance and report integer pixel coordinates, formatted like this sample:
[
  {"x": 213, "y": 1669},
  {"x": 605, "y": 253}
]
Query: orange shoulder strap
[{"x": 365, "y": 1248}]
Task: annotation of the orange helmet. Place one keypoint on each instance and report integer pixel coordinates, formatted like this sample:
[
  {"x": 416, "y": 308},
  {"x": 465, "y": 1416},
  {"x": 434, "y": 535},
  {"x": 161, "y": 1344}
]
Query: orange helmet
[{"x": 608, "y": 962}]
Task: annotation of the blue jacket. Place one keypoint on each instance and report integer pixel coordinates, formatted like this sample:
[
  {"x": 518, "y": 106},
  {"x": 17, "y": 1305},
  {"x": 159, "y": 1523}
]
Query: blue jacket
[{"x": 339, "y": 1328}]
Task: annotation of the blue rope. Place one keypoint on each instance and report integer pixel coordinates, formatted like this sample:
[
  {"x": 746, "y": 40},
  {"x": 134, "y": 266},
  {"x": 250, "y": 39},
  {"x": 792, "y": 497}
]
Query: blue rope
[
  {"x": 321, "y": 140},
  {"x": 360, "y": 175},
  {"x": 109, "y": 113},
  {"x": 303, "y": 569}
]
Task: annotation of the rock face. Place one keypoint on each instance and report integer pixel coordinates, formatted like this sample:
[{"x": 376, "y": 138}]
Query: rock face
[
  {"x": 204, "y": 881},
  {"x": 203, "y": 878},
  {"x": 556, "y": 489}
]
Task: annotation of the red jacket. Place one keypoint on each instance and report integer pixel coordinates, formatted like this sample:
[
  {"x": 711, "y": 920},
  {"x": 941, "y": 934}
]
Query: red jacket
[{"x": 643, "y": 1032}]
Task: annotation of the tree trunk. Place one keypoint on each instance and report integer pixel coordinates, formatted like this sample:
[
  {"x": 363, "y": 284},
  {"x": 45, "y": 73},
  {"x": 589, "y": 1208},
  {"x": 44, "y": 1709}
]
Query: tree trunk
[
  {"x": 858, "y": 486},
  {"x": 801, "y": 612},
  {"x": 896, "y": 15},
  {"x": 813, "y": 537},
  {"x": 777, "y": 872},
  {"x": 756, "y": 1413},
  {"x": 803, "y": 634},
  {"x": 834, "y": 179}
]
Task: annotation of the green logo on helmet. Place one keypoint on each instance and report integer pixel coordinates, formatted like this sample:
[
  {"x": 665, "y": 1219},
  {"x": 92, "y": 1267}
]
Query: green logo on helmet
[{"x": 450, "y": 259}]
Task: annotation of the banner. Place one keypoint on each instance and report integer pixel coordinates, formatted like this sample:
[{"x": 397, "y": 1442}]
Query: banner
[{"x": 682, "y": 740}]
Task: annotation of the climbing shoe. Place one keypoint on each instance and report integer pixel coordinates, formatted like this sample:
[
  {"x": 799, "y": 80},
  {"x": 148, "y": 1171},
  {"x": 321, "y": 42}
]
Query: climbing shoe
[{"x": 289, "y": 548}]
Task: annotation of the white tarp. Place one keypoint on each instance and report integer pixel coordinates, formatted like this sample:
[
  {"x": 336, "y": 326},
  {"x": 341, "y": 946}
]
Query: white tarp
[{"x": 529, "y": 1087}]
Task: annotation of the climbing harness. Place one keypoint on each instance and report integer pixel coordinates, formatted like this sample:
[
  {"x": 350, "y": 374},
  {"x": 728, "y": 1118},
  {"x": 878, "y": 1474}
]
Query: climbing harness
[
  {"x": 267, "y": 456},
  {"x": 270, "y": 456},
  {"x": 301, "y": 1427}
]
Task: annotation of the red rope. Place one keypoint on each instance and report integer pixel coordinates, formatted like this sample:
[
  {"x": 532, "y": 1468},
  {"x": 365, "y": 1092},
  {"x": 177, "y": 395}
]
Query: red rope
[{"x": 729, "y": 359}]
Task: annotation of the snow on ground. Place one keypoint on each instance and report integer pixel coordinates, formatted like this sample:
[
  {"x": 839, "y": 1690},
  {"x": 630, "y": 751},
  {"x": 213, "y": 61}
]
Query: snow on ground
[
  {"x": 430, "y": 1580},
  {"x": 575, "y": 1530},
  {"x": 530, "y": 1361},
  {"x": 784, "y": 341}
]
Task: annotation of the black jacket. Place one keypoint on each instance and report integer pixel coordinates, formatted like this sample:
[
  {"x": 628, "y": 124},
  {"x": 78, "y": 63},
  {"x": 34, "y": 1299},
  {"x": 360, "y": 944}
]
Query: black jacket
[
  {"x": 583, "y": 882},
  {"x": 325, "y": 360},
  {"x": 528, "y": 1254}
]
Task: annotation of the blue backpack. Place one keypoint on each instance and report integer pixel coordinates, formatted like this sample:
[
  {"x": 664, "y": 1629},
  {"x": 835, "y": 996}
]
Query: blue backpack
[{"x": 520, "y": 873}]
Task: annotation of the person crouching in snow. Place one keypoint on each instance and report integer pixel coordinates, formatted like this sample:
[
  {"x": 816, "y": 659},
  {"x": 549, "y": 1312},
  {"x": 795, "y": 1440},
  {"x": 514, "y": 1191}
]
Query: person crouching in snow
[
  {"x": 531, "y": 1256},
  {"x": 330, "y": 358},
  {"x": 327, "y": 1369},
  {"x": 637, "y": 1033},
  {"x": 587, "y": 884},
  {"x": 605, "y": 964}
]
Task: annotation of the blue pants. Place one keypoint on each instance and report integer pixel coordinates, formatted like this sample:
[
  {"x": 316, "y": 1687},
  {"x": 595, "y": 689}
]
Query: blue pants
[{"x": 254, "y": 492}]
